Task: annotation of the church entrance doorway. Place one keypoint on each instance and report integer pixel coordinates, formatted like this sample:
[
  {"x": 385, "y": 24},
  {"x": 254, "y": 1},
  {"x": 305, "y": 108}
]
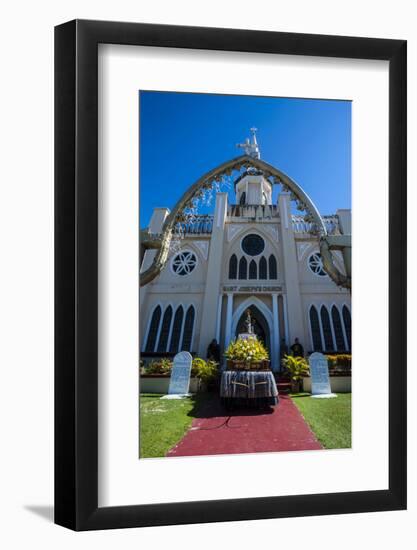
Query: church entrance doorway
[{"x": 260, "y": 326}]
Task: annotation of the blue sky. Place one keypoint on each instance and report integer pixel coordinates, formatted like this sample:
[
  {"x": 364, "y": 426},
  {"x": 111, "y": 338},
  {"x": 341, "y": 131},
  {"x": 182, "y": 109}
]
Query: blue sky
[{"x": 184, "y": 135}]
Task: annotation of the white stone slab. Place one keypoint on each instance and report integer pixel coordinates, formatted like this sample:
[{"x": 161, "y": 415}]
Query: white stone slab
[
  {"x": 319, "y": 372},
  {"x": 180, "y": 374}
]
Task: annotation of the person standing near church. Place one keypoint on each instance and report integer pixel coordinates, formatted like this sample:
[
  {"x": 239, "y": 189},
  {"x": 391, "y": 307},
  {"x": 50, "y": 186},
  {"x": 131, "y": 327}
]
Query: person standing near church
[
  {"x": 213, "y": 351},
  {"x": 297, "y": 349}
]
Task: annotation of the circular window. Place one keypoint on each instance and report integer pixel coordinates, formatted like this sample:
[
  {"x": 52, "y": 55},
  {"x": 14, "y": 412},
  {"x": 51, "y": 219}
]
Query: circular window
[
  {"x": 183, "y": 263},
  {"x": 253, "y": 245},
  {"x": 315, "y": 263}
]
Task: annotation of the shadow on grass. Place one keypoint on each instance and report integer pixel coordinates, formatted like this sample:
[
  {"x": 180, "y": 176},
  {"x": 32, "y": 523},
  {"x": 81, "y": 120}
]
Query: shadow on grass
[
  {"x": 297, "y": 395},
  {"x": 209, "y": 405}
]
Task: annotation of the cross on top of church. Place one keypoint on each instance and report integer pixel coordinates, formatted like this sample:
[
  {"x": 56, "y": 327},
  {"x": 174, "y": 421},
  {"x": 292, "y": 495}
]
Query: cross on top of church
[{"x": 251, "y": 147}]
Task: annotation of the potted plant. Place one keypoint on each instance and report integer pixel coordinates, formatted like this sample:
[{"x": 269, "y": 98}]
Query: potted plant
[
  {"x": 246, "y": 354},
  {"x": 297, "y": 368},
  {"x": 161, "y": 366},
  {"x": 205, "y": 371}
]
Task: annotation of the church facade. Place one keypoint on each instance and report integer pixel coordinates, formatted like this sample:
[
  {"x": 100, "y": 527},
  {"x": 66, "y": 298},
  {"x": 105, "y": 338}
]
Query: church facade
[{"x": 251, "y": 254}]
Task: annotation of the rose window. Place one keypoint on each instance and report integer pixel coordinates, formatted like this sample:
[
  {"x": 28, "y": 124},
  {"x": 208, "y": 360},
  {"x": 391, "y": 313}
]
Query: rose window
[
  {"x": 253, "y": 245},
  {"x": 315, "y": 263},
  {"x": 184, "y": 263}
]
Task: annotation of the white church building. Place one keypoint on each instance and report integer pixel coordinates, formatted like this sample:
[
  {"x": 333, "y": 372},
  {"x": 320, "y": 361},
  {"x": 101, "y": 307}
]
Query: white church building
[{"x": 249, "y": 254}]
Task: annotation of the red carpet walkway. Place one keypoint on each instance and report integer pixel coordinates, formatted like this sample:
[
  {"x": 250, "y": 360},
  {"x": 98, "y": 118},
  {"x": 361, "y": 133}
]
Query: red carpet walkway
[{"x": 245, "y": 431}]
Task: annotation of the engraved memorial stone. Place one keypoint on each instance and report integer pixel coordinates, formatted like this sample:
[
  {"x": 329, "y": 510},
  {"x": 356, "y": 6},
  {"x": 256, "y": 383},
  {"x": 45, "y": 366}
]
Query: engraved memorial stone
[
  {"x": 179, "y": 384},
  {"x": 319, "y": 372}
]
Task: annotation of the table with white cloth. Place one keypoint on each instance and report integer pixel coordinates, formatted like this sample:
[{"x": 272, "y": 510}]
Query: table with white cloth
[{"x": 248, "y": 388}]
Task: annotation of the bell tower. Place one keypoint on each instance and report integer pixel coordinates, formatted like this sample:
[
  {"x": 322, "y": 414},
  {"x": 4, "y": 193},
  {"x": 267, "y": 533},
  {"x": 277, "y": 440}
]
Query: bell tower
[{"x": 252, "y": 188}]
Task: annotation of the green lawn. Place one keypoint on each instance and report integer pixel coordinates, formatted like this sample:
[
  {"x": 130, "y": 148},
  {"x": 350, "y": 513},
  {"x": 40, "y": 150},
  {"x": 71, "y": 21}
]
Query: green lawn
[
  {"x": 329, "y": 419},
  {"x": 163, "y": 422}
]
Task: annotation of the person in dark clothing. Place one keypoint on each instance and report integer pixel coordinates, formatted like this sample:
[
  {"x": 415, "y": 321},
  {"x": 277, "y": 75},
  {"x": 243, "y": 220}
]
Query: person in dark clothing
[
  {"x": 297, "y": 349},
  {"x": 283, "y": 348},
  {"x": 213, "y": 351}
]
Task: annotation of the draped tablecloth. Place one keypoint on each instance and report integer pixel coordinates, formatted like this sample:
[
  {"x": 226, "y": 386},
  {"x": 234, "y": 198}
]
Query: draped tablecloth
[{"x": 248, "y": 388}]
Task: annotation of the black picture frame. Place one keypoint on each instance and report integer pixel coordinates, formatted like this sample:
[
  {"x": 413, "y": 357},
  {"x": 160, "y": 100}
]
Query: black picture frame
[{"x": 76, "y": 271}]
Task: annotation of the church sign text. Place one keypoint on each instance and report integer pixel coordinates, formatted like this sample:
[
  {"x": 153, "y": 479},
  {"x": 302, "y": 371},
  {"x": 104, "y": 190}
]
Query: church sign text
[{"x": 252, "y": 289}]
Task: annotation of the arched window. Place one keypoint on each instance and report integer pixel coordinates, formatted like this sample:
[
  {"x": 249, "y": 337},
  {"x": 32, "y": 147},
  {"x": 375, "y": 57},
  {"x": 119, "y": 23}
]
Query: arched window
[
  {"x": 347, "y": 322},
  {"x": 233, "y": 267},
  {"x": 262, "y": 268},
  {"x": 253, "y": 270},
  {"x": 176, "y": 330},
  {"x": 338, "y": 331},
  {"x": 166, "y": 325},
  {"x": 327, "y": 329},
  {"x": 272, "y": 267},
  {"x": 188, "y": 329},
  {"x": 315, "y": 329},
  {"x": 243, "y": 268},
  {"x": 153, "y": 329},
  {"x": 242, "y": 199}
]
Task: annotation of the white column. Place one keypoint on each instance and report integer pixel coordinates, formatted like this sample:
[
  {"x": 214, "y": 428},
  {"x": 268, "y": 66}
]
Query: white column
[
  {"x": 275, "y": 339},
  {"x": 212, "y": 289},
  {"x": 229, "y": 312},
  {"x": 219, "y": 318},
  {"x": 295, "y": 316},
  {"x": 287, "y": 332}
]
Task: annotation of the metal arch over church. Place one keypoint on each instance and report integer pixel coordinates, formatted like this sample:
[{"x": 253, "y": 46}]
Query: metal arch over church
[{"x": 250, "y": 160}]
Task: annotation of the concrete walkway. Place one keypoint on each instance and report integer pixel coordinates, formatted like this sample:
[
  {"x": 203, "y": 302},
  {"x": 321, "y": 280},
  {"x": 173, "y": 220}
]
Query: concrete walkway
[{"x": 281, "y": 428}]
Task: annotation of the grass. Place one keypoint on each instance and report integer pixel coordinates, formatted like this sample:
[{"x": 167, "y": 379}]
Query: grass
[
  {"x": 329, "y": 419},
  {"x": 163, "y": 422}
]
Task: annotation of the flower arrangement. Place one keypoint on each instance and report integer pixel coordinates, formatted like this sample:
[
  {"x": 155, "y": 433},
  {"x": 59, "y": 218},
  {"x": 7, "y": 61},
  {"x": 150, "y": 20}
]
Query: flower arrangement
[
  {"x": 248, "y": 351},
  {"x": 206, "y": 371}
]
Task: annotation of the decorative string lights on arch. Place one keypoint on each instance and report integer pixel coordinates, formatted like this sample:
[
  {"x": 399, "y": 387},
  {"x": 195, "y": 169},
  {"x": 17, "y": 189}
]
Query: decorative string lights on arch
[{"x": 213, "y": 181}]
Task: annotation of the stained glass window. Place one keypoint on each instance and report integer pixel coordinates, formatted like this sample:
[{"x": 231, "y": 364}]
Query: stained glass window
[
  {"x": 166, "y": 325},
  {"x": 184, "y": 263},
  {"x": 315, "y": 263},
  {"x": 176, "y": 330},
  {"x": 252, "y": 245},
  {"x": 272, "y": 267},
  {"x": 233, "y": 267},
  {"x": 243, "y": 268},
  {"x": 338, "y": 331},
  {"x": 188, "y": 329},
  {"x": 315, "y": 329},
  {"x": 347, "y": 322},
  {"x": 327, "y": 329},
  {"x": 253, "y": 270},
  {"x": 262, "y": 268},
  {"x": 153, "y": 329}
]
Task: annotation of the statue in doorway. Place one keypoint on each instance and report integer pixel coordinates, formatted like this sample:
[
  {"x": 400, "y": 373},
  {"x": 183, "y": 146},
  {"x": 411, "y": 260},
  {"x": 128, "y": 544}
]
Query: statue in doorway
[{"x": 249, "y": 323}]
